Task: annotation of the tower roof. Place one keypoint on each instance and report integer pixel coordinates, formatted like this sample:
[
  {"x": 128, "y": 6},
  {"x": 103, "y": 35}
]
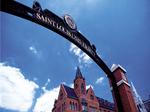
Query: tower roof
[{"x": 78, "y": 73}]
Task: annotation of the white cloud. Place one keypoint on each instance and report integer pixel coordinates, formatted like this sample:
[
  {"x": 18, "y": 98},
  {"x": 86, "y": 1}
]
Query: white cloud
[
  {"x": 99, "y": 80},
  {"x": 16, "y": 92},
  {"x": 44, "y": 87},
  {"x": 71, "y": 85},
  {"x": 33, "y": 49},
  {"x": 48, "y": 81},
  {"x": 73, "y": 6},
  {"x": 82, "y": 57},
  {"x": 88, "y": 86},
  {"x": 45, "y": 102},
  {"x": 35, "y": 79}
]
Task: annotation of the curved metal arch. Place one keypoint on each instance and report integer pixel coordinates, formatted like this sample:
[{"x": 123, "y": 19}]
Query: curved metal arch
[{"x": 52, "y": 22}]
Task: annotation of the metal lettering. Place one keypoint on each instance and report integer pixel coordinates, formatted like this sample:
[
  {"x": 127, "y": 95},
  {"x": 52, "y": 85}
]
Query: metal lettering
[
  {"x": 38, "y": 16},
  {"x": 68, "y": 33},
  {"x": 49, "y": 21},
  {"x": 65, "y": 31}
]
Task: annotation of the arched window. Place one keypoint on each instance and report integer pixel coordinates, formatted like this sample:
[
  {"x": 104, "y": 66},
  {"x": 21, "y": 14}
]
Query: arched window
[
  {"x": 82, "y": 88},
  {"x": 91, "y": 97},
  {"x": 76, "y": 85},
  {"x": 73, "y": 106},
  {"x": 70, "y": 105},
  {"x": 76, "y": 108},
  {"x": 64, "y": 106}
]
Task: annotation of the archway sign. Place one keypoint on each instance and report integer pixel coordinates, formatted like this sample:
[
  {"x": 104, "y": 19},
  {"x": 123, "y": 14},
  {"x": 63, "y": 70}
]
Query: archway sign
[{"x": 64, "y": 27}]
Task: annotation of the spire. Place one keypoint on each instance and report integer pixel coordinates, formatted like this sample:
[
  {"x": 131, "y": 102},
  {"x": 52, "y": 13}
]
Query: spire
[
  {"x": 78, "y": 73},
  {"x": 134, "y": 90},
  {"x": 138, "y": 100}
]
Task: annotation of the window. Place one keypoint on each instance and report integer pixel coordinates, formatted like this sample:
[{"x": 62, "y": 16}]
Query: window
[
  {"x": 93, "y": 109},
  {"x": 91, "y": 97},
  {"x": 72, "y": 106},
  {"x": 61, "y": 95},
  {"x": 63, "y": 107},
  {"x": 76, "y": 85},
  {"x": 84, "y": 108},
  {"x": 76, "y": 108},
  {"x": 82, "y": 88}
]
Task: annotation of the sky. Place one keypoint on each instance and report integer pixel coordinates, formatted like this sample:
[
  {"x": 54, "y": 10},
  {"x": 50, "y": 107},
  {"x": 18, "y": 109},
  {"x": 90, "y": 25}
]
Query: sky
[{"x": 34, "y": 61}]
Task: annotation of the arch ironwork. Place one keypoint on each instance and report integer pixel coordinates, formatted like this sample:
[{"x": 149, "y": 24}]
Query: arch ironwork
[{"x": 64, "y": 27}]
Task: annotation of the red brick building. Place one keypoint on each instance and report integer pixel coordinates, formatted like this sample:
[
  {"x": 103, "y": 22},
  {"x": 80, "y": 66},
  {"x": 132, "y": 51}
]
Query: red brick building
[{"x": 78, "y": 99}]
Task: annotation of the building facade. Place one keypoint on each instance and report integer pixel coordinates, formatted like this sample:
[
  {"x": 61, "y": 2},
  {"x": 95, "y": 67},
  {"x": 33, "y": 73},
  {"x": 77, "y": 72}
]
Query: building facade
[
  {"x": 138, "y": 100},
  {"x": 147, "y": 104},
  {"x": 78, "y": 99}
]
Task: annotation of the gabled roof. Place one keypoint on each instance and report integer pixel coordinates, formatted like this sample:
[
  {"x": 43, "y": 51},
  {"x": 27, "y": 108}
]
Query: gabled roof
[
  {"x": 105, "y": 104},
  {"x": 70, "y": 92},
  {"x": 102, "y": 102},
  {"x": 89, "y": 89}
]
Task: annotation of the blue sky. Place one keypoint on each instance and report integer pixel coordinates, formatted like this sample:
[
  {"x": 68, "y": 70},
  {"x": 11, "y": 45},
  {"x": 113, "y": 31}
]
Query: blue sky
[{"x": 42, "y": 60}]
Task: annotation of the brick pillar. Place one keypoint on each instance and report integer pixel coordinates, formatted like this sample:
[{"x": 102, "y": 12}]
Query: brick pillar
[{"x": 124, "y": 89}]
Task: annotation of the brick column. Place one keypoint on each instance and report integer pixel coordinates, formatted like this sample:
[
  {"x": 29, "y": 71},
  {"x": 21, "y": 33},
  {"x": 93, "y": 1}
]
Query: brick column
[{"x": 124, "y": 89}]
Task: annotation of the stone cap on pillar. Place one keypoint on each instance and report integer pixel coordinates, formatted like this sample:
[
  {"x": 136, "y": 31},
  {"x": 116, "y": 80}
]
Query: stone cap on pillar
[{"x": 115, "y": 67}]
